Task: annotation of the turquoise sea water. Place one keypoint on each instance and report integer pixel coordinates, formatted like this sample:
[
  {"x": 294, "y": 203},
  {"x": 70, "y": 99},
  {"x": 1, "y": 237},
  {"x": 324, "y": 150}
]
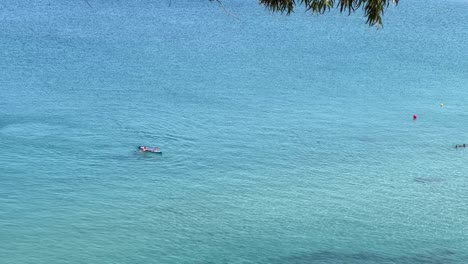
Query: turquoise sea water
[{"x": 285, "y": 139}]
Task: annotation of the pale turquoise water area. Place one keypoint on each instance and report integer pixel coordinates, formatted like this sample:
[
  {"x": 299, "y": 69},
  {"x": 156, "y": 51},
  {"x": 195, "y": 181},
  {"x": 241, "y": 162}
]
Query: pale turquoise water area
[{"x": 285, "y": 139}]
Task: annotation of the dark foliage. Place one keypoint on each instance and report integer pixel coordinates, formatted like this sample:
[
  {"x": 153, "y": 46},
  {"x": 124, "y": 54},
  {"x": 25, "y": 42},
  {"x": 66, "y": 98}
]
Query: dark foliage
[{"x": 373, "y": 9}]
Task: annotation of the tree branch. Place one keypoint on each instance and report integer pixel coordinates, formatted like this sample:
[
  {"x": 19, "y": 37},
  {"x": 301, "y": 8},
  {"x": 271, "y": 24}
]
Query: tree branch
[
  {"x": 87, "y": 2},
  {"x": 225, "y": 10}
]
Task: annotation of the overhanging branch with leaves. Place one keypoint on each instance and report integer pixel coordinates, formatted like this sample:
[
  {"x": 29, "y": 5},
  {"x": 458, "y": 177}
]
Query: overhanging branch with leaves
[{"x": 373, "y": 9}]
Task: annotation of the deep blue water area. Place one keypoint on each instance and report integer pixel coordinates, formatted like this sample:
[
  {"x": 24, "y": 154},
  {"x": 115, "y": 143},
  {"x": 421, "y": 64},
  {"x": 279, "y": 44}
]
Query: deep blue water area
[{"x": 285, "y": 139}]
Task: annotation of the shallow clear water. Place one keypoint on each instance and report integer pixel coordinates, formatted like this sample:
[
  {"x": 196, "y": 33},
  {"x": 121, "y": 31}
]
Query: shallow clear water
[{"x": 285, "y": 139}]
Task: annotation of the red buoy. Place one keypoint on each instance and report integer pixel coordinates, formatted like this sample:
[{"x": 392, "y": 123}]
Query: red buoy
[{"x": 415, "y": 117}]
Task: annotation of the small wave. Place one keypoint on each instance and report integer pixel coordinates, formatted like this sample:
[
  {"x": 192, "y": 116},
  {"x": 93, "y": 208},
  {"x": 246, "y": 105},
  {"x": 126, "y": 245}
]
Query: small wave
[
  {"x": 428, "y": 179},
  {"x": 30, "y": 130}
]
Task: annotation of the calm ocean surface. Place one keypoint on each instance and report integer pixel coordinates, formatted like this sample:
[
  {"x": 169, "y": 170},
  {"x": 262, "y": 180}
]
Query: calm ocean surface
[{"x": 285, "y": 139}]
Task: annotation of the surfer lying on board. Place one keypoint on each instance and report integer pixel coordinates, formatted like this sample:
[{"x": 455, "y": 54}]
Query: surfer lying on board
[{"x": 149, "y": 149}]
